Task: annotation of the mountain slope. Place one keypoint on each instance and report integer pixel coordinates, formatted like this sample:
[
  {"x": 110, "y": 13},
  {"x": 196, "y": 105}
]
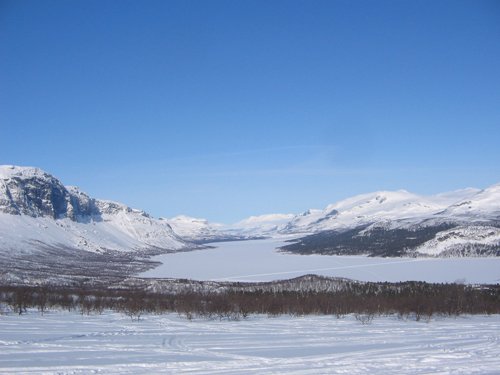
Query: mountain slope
[
  {"x": 460, "y": 223},
  {"x": 484, "y": 204},
  {"x": 261, "y": 225},
  {"x": 197, "y": 230},
  {"x": 374, "y": 207},
  {"x": 37, "y": 210}
]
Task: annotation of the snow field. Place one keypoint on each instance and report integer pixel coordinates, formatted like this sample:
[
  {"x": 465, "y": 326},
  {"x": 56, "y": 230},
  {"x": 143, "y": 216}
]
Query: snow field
[
  {"x": 258, "y": 260},
  {"x": 69, "y": 343}
]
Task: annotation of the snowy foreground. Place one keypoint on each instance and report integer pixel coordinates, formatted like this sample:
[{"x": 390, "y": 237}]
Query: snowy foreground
[
  {"x": 258, "y": 260},
  {"x": 69, "y": 343}
]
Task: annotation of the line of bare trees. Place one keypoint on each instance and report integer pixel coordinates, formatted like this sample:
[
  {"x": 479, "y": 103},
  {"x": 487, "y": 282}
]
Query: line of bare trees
[{"x": 416, "y": 299}]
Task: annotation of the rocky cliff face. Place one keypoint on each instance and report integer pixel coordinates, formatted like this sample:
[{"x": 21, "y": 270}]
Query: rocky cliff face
[{"x": 33, "y": 192}]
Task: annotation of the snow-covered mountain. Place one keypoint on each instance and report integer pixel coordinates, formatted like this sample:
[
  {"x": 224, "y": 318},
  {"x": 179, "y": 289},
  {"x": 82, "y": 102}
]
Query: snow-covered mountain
[
  {"x": 37, "y": 210},
  {"x": 460, "y": 223},
  {"x": 196, "y": 230},
  {"x": 388, "y": 223},
  {"x": 375, "y": 207},
  {"x": 203, "y": 231},
  {"x": 261, "y": 225},
  {"x": 484, "y": 204}
]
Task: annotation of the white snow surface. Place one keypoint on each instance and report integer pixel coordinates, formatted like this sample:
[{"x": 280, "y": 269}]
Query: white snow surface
[
  {"x": 9, "y": 171},
  {"x": 192, "y": 228},
  {"x": 68, "y": 343},
  {"x": 261, "y": 224},
  {"x": 485, "y": 203},
  {"x": 258, "y": 260},
  {"x": 379, "y": 206},
  {"x": 123, "y": 231}
]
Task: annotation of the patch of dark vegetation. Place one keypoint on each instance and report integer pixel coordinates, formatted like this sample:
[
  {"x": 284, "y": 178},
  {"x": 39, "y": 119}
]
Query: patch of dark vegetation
[
  {"x": 376, "y": 241},
  {"x": 306, "y": 295},
  {"x": 69, "y": 266}
]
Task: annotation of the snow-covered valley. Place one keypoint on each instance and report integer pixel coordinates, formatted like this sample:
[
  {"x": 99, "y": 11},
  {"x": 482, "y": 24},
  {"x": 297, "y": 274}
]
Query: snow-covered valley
[
  {"x": 70, "y": 343},
  {"x": 258, "y": 260},
  {"x": 37, "y": 210}
]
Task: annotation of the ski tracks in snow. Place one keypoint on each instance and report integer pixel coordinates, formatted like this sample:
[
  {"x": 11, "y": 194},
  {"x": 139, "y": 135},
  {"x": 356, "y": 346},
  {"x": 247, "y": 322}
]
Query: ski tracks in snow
[{"x": 68, "y": 343}]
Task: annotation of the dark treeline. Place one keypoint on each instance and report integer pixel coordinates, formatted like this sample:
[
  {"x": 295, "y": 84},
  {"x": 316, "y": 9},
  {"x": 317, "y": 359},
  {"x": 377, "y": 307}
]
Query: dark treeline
[{"x": 415, "y": 299}]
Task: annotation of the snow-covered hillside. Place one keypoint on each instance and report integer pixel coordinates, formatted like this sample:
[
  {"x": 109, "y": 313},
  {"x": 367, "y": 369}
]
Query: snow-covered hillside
[
  {"x": 462, "y": 241},
  {"x": 37, "y": 210},
  {"x": 202, "y": 231},
  {"x": 195, "y": 229},
  {"x": 375, "y": 207},
  {"x": 262, "y": 225},
  {"x": 484, "y": 204},
  {"x": 459, "y": 223}
]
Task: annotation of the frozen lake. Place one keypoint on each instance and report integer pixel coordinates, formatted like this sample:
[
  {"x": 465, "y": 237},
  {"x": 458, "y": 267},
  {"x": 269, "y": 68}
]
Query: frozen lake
[
  {"x": 257, "y": 260},
  {"x": 111, "y": 343}
]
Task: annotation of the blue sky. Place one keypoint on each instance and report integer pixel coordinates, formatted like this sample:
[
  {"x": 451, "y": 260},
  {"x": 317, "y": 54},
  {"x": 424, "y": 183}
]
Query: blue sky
[{"x": 225, "y": 109}]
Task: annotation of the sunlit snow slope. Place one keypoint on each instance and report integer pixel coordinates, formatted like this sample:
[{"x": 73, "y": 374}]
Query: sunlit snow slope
[
  {"x": 37, "y": 210},
  {"x": 460, "y": 223}
]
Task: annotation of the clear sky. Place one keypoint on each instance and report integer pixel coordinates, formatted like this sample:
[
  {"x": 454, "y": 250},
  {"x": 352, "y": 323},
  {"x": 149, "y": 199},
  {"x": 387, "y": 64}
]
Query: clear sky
[{"x": 225, "y": 109}]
